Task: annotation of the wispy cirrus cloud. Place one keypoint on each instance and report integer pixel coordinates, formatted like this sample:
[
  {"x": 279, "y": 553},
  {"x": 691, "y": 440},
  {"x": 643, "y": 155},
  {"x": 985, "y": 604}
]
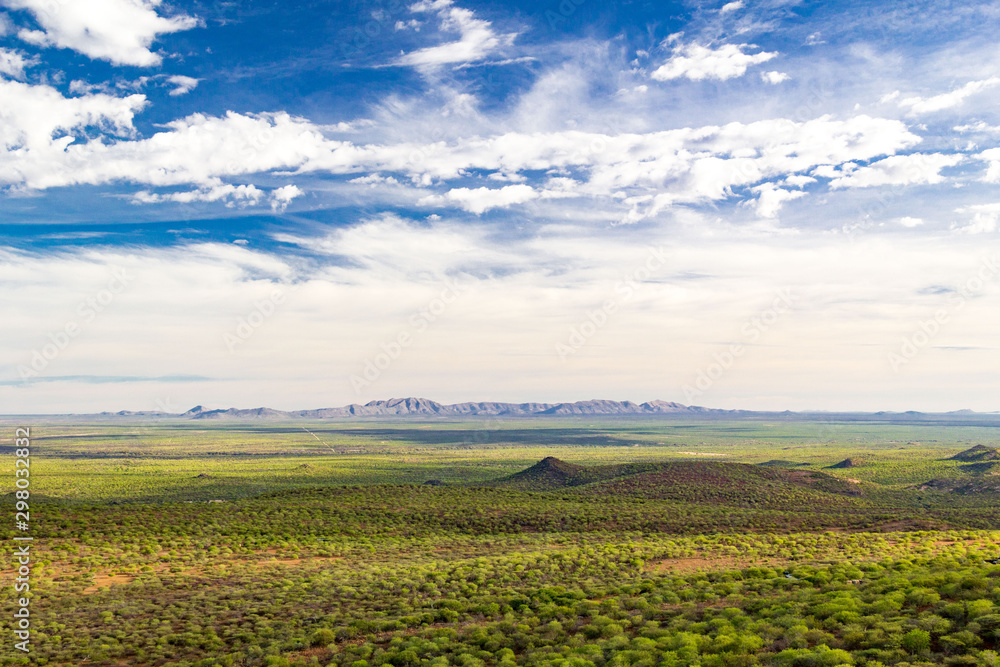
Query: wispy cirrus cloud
[
  {"x": 477, "y": 38},
  {"x": 922, "y": 105}
]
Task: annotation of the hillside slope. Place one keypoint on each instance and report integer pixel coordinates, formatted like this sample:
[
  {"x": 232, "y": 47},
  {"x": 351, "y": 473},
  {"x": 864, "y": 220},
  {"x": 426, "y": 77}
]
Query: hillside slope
[{"x": 690, "y": 481}]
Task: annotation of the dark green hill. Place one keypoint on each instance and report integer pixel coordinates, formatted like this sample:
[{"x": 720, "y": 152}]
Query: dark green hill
[
  {"x": 689, "y": 481},
  {"x": 846, "y": 463},
  {"x": 779, "y": 463},
  {"x": 731, "y": 483},
  {"x": 977, "y": 454},
  {"x": 551, "y": 474}
]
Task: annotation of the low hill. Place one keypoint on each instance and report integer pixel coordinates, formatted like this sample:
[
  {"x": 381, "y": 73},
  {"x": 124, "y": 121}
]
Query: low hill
[
  {"x": 779, "y": 463},
  {"x": 731, "y": 483},
  {"x": 846, "y": 463},
  {"x": 551, "y": 474},
  {"x": 963, "y": 486},
  {"x": 691, "y": 481},
  {"x": 977, "y": 454}
]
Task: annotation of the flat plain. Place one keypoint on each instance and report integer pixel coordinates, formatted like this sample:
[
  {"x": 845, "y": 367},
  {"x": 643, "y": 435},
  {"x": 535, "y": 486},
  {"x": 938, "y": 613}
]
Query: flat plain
[{"x": 571, "y": 542}]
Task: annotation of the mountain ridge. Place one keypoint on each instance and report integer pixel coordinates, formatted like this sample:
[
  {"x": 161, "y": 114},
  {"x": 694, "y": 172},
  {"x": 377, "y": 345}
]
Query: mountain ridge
[
  {"x": 426, "y": 407},
  {"x": 415, "y": 407}
]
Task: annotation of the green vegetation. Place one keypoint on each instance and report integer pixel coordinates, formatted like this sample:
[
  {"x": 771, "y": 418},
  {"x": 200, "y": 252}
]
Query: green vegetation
[{"x": 570, "y": 543}]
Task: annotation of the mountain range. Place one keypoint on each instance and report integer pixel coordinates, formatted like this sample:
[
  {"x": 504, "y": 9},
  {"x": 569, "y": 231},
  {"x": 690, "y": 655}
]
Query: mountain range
[
  {"x": 395, "y": 407},
  {"x": 426, "y": 408}
]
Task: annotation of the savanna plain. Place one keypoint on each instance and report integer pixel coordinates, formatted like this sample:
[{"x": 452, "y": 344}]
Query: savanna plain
[{"x": 572, "y": 542}]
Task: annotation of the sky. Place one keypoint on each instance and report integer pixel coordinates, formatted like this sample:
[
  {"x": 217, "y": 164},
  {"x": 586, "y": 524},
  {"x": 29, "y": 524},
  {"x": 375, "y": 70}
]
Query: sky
[{"x": 759, "y": 205}]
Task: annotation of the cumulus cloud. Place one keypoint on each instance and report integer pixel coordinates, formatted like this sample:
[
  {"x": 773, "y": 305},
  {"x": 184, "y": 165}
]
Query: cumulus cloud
[
  {"x": 697, "y": 62},
  {"x": 182, "y": 84},
  {"x": 283, "y": 196},
  {"x": 978, "y": 126},
  {"x": 908, "y": 221},
  {"x": 731, "y": 6},
  {"x": 774, "y": 78},
  {"x": 12, "y": 63},
  {"x": 922, "y": 105},
  {"x": 233, "y": 195},
  {"x": 477, "y": 39},
  {"x": 645, "y": 172},
  {"x": 480, "y": 200},
  {"x": 984, "y": 219},
  {"x": 38, "y": 123},
  {"x": 770, "y": 199},
  {"x": 119, "y": 31},
  {"x": 992, "y": 156},
  {"x": 910, "y": 169},
  {"x": 194, "y": 150}
]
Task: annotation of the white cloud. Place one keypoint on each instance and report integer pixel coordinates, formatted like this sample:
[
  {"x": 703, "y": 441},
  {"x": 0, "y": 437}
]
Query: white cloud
[
  {"x": 239, "y": 196},
  {"x": 992, "y": 156},
  {"x": 921, "y": 105},
  {"x": 978, "y": 126},
  {"x": 645, "y": 172},
  {"x": 798, "y": 180},
  {"x": 770, "y": 199},
  {"x": 183, "y": 84},
  {"x": 907, "y": 221},
  {"x": 984, "y": 219},
  {"x": 12, "y": 63},
  {"x": 283, "y": 196},
  {"x": 731, "y": 6},
  {"x": 374, "y": 180},
  {"x": 774, "y": 78},
  {"x": 37, "y": 123},
  {"x": 697, "y": 62},
  {"x": 480, "y": 200},
  {"x": 119, "y": 31},
  {"x": 910, "y": 169},
  {"x": 233, "y": 195},
  {"x": 477, "y": 37},
  {"x": 194, "y": 150}
]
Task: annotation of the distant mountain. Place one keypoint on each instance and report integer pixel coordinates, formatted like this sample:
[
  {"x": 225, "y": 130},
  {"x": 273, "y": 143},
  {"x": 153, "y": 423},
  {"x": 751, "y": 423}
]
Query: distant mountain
[{"x": 425, "y": 407}]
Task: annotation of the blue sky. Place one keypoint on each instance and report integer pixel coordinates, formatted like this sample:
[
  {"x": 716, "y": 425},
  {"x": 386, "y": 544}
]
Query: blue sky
[{"x": 762, "y": 205}]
